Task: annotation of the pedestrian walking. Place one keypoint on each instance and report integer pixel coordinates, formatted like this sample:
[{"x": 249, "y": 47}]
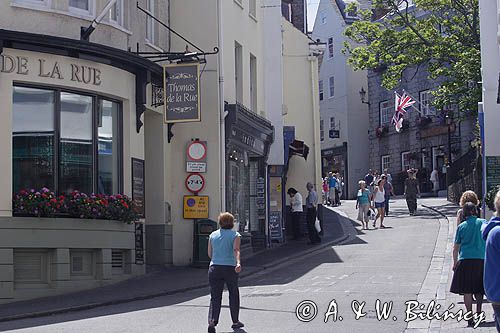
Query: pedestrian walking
[
  {"x": 363, "y": 204},
  {"x": 379, "y": 202},
  {"x": 296, "y": 204},
  {"x": 332, "y": 185},
  {"x": 338, "y": 189},
  {"x": 412, "y": 191},
  {"x": 325, "y": 191},
  {"x": 369, "y": 180},
  {"x": 467, "y": 196},
  {"x": 388, "y": 175},
  {"x": 311, "y": 202},
  {"x": 225, "y": 267},
  {"x": 434, "y": 178},
  {"x": 468, "y": 259},
  {"x": 491, "y": 234},
  {"x": 388, "y": 191}
]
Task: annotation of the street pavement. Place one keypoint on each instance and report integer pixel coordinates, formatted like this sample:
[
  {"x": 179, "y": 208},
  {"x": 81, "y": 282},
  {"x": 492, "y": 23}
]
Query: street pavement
[{"x": 404, "y": 262}]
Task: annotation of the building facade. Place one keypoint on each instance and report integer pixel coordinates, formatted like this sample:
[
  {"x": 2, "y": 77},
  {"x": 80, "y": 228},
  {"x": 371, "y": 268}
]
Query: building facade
[
  {"x": 344, "y": 118},
  {"x": 72, "y": 121}
]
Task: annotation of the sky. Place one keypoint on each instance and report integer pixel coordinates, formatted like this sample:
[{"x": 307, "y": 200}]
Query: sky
[{"x": 312, "y": 8}]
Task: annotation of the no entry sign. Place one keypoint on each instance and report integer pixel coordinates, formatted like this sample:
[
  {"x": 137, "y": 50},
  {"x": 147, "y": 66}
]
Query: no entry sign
[{"x": 195, "y": 182}]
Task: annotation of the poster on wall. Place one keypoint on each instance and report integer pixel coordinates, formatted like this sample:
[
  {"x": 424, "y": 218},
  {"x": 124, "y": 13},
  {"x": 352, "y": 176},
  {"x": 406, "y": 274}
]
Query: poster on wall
[
  {"x": 138, "y": 185},
  {"x": 181, "y": 88}
]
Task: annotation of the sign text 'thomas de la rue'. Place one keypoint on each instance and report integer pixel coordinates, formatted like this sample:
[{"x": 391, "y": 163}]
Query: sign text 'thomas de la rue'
[{"x": 50, "y": 69}]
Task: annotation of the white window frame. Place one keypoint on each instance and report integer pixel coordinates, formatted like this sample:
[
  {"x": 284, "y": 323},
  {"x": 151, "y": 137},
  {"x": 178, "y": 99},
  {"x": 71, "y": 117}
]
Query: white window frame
[
  {"x": 323, "y": 17},
  {"x": 33, "y": 3},
  {"x": 322, "y": 130},
  {"x": 332, "y": 123},
  {"x": 78, "y": 11},
  {"x": 119, "y": 10},
  {"x": 385, "y": 112},
  {"x": 331, "y": 87},
  {"x": 150, "y": 8},
  {"x": 321, "y": 89},
  {"x": 425, "y": 98},
  {"x": 385, "y": 162},
  {"x": 405, "y": 157},
  {"x": 331, "y": 47}
]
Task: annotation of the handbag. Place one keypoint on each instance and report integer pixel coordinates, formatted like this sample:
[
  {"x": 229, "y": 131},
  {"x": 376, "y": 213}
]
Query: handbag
[{"x": 317, "y": 225}]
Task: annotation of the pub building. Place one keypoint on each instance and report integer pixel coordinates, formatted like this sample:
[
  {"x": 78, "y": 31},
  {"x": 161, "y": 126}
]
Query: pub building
[
  {"x": 248, "y": 139},
  {"x": 70, "y": 121}
]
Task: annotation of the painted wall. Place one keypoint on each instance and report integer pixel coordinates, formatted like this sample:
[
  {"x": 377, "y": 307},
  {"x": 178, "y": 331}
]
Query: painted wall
[{"x": 301, "y": 100}]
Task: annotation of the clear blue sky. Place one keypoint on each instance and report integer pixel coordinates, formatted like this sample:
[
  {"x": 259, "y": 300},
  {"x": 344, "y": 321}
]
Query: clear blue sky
[{"x": 312, "y": 8}]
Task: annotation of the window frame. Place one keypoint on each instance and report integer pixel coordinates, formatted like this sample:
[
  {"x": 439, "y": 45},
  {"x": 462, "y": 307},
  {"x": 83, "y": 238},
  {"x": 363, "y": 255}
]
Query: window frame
[
  {"x": 120, "y": 17},
  {"x": 405, "y": 154},
  {"x": 331, "y": 85},
  {"x": 332, "y": 123},
  {"x": 385, "y": 164},
  {"x": 321, "y": 89},
  {"x": 382, "y": 116},
  {"x": 83, "y": 12},
  {"x": 150, "y": 39},
  {"x": 427, "y": 108},
  {"x": 35, "y": 4},
  {"x": 331, "y": 47},
  {"x": 322, "y": 130},
  {"x": 96, "y": 99}
]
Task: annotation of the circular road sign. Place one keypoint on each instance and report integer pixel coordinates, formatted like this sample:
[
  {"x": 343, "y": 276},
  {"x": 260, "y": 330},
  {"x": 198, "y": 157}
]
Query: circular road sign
[
  {"x": 195, "y": 182},
  {"x": 197, "y": 151}
]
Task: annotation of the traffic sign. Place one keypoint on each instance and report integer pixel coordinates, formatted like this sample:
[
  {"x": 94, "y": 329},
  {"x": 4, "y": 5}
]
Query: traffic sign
[
  {"x": 195, "y": 182},
  {"x": 197, "y": 151}
]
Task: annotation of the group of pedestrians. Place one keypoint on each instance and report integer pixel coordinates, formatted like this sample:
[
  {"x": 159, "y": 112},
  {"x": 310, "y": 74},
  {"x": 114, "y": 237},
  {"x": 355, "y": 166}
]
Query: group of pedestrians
[
  {"x": 332, "y": 189},
  {"x": 476, "y": 256},
  {"x": 374, "y": 192},
  {"x": 296, "y": 204}
]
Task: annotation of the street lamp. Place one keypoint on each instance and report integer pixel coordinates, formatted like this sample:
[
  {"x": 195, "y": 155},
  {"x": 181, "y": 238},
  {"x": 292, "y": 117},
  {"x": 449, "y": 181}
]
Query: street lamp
[{"x": 362, "y": 95}]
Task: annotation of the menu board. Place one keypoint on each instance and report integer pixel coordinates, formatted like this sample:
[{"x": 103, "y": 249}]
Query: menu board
[
  {"x": 492, "y": 171},
  {"x": 138, "y": 185},
  {"x": 275, "y": 230}
]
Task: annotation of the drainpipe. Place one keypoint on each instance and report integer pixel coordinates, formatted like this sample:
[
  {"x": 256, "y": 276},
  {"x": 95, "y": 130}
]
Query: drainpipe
[
  {"x": 222, "y": 113},
  {"x": 317, "y": 153}
]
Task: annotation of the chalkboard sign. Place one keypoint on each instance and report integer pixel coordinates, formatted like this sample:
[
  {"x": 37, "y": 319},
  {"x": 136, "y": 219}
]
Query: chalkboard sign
[
  {"x": 492, "y": 171},
  {"x": 138, "y": 185},
  {"x": 275, "y": 230},
  {"x": 139, "y": 243}
]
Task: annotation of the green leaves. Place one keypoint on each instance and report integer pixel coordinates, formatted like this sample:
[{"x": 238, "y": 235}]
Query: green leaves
[{"x": 441, "y": 36}]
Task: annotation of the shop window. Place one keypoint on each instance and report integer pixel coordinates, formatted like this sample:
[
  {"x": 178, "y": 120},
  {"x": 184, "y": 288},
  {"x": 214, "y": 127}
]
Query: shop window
[{"x": 65, "y": 142}]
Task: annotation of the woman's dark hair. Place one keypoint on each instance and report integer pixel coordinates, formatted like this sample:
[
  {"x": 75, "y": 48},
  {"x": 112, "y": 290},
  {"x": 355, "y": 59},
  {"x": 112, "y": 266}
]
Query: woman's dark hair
[
  {"x": 291, "y": 190},
  {"x": 469, "y": 209}
]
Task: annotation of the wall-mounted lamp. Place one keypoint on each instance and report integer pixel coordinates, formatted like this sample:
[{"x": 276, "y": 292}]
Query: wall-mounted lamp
[{"x": 362, "y": 95}]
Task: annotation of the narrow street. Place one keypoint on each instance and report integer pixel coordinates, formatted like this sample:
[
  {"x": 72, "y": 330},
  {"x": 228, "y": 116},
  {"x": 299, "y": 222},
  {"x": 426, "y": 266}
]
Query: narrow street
[{"x": 386, "y": 265}]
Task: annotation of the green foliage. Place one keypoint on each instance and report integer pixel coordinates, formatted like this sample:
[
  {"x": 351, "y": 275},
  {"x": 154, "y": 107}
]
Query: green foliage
[{"x": 441, "y": 36}]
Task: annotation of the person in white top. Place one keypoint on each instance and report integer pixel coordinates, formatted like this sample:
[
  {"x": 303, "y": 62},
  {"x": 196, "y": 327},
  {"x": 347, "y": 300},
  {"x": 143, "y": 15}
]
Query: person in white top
[
  {"x": 435, "y": 181},
  {"x": 379, "y": 201},
  {"x": 296, "y": 204}
]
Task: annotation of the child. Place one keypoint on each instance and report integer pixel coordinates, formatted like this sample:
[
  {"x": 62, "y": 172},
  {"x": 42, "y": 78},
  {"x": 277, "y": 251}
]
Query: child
[{"x": 363, "y": 204}]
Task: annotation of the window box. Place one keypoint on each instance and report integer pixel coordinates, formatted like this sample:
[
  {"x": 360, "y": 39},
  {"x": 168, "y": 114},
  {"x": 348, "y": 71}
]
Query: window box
[{"x": 381, "y": 131}]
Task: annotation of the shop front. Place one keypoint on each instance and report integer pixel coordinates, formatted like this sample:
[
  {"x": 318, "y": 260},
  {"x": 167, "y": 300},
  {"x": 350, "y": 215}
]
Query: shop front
[
  {"x": 248, "y": 138},
  {"x": 335, "y": 160},
  {"x": 70, "y": 113}
]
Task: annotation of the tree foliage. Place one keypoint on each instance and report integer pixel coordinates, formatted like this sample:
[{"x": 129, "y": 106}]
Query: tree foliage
[{"x": 441, "y": 36}]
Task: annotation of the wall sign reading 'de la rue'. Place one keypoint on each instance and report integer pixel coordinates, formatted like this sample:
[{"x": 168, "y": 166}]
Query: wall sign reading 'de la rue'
[{"x": 50, "y": 69}]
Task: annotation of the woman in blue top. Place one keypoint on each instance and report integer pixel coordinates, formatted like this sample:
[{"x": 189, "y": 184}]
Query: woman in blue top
[
  {"x": 468, "y": 259},
  {"x": 363, "y": 204},
  {"x": 224, "y": 250}
]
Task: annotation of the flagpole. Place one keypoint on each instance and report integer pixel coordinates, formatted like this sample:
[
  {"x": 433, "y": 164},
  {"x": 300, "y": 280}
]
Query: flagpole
[{"x": 413, "y": 105}]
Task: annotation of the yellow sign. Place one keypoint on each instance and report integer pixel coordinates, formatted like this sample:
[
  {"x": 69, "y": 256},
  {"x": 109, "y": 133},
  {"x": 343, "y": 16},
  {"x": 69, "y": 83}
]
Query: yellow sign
[{"x": 195, "y": 207}]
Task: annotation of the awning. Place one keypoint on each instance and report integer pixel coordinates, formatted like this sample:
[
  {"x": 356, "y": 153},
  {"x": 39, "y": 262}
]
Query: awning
[{"x": 298, "y": 148}]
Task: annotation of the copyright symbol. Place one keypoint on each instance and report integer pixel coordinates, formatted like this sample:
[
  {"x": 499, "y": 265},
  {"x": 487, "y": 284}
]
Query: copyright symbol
[{"x": 306, "y": 311}]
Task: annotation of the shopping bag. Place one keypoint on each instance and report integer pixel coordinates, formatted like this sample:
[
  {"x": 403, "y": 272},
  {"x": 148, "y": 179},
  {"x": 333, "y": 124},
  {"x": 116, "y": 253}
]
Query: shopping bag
[{"x": 317, "y": 225}]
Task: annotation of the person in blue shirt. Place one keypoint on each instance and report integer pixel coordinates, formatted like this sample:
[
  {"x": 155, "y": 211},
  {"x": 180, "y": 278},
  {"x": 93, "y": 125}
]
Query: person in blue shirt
[
  {"x": 363, "y": 200},
  {"x": 491, "y": 234},
  {"x": 468, "y": 259},
  {"x": 225, "y": 266},
  {"x": 332, "y": 186}
]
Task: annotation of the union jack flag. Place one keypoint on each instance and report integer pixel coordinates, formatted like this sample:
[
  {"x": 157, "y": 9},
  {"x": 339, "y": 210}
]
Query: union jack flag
[{"x": 401, "y": 104}]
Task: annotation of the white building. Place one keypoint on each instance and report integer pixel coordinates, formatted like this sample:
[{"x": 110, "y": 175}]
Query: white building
[
  {"x": 489, "y": 11},
  {"x": 344, "y": 118}
]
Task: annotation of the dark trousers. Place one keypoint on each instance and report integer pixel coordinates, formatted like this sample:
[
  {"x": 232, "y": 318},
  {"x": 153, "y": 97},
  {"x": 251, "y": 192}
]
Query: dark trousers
[
  {"x": 296, "y": 224},
  {"x": 387, "y": 198},
  {"x": 496, "y": 311},
  {"x": 219, "y": 275},
  {"x": 411, "y": 201},
  {"x": 311, "y": 229}
]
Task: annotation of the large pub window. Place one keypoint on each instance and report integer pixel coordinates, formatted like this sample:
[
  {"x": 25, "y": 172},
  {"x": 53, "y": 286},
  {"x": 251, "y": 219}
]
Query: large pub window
[{"x": 65, "y": 141}]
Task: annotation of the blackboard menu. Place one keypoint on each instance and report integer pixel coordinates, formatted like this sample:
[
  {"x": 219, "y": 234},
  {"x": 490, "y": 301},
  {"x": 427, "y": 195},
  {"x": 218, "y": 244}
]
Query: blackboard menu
[
  {"x": 275, "y": 230},
  {"x": 138, "y": 185},
  {"x": 139, "y": 243},
  {"x": 492, "y": 171}
]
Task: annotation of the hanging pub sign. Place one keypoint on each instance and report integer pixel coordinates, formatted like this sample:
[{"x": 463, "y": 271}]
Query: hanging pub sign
[{"x": 181, "y": 88}]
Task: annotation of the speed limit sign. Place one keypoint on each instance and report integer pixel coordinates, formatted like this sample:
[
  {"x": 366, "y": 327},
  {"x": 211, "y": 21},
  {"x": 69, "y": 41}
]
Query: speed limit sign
[{"x": 195, "y": 182}]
